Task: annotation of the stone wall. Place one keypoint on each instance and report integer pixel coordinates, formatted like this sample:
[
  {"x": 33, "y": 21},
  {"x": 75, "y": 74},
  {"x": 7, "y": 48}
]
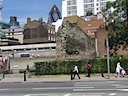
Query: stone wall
[{"x": 73, "y": 43}]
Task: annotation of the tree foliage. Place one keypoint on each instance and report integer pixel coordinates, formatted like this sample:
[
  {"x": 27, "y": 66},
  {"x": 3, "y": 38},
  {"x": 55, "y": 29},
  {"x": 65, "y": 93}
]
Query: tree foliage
[{"x": 116, "y": 23}]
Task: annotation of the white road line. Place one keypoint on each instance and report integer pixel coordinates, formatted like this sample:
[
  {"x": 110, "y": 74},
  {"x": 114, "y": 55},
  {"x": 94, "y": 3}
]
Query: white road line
[
  {"x": 27, "y": 95},
  {"x": 112, "y": 94},
  {"x": 123, "y": 89},
  {"x": 84, "y": 87},
  {"x": 53, "y": 88},
  {"x": 4, "y": 89},
  {"x": 45, "y": 88},
  {"x": 81, "y": 85},
  {"x": 36, "y": 95},
  {"x": 87, "y": 94},
  {"x": 95, "y": 89},
  {"x": 92, "y": 93},
  {"x": 100, "y": 90},
  {"x": 67, "y": 94}
]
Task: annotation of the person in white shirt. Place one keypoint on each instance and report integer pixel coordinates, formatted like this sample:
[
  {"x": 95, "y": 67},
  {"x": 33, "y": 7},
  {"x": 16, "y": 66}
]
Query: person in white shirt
[
  {"x": 118, "y": 69},
  {"x": 75, "y": 71}
]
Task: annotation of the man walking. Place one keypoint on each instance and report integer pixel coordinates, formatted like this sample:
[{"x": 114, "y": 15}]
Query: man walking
[{"x": 75, "y": 71}]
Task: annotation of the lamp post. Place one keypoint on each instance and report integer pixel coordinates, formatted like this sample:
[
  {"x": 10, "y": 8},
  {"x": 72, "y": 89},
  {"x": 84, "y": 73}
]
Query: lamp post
[
  {"x": 108, "y": 63},
  {"x": 107, "y": 47}
]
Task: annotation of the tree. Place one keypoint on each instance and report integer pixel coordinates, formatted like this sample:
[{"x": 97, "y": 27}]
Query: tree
[{"x": 116, "y": 24}]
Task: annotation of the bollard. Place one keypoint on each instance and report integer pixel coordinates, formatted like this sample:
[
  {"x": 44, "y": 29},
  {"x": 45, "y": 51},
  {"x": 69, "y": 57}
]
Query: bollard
[
  {"x": 4, "y": 73},
  {"x": 24, "y": 75},
  {"x": 71, "y": 75}
]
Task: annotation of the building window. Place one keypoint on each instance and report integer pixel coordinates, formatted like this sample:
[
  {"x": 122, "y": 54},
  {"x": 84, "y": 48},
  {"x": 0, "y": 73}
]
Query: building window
[
  {"x": 74, "y": 7},
  {"x": 68, "y": 3},
  {"x": 88, "y": 1},
  {"x": 102, "y": 3},
  {"x": 68, "y": 8},
  {"x": 73, "y": 2},
  {"x": 89, "y": 24},
  {"x": 89, "y": 31},
  {"x": 99, "y": 16},
  {"x": 69, "y": 13}
]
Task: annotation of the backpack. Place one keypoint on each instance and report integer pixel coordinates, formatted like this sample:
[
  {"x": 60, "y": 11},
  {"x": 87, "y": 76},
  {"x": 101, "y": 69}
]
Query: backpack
[{"x": 89, "y": 66}]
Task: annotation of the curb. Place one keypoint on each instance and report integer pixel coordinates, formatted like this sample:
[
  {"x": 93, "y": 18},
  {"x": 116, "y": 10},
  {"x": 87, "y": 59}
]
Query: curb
[{"x": 103, "y": 80}]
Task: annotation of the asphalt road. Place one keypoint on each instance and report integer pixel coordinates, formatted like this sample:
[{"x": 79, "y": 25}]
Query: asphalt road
[{"x": 102, "y": 88}]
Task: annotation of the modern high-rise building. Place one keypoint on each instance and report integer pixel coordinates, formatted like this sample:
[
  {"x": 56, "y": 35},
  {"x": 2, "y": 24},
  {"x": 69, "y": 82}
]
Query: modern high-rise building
[
  {"x": 80, "y": 7},
  {"x": 1, "y": 1}
]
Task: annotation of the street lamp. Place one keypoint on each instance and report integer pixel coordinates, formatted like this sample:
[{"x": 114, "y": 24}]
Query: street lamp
[
  {"x": 107, "y": 47},
  {"x": 108, "y": 63}
]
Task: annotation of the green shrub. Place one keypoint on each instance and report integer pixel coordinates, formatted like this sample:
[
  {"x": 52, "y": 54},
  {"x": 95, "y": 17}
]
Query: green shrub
[{"x": 65, "y": 67}]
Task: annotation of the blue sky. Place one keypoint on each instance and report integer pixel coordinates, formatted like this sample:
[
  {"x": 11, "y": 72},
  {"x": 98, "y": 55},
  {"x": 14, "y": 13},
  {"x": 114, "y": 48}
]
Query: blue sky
[{"x": 28, "y": 8}]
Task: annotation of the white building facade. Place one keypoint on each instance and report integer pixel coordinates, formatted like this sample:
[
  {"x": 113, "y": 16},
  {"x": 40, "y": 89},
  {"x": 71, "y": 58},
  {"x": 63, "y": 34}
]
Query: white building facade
[{"x": 80, "y": 7}]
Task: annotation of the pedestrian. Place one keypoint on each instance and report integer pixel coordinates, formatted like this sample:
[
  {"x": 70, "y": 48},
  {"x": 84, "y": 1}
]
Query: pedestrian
[
  {"x": 118, "y": 69},
  {"x": 89, "y": 69},
  {"x": 28, "y": 68},
  {"x": 123, "y": 73},
  {"x": 76, "y": 72},
  {"x": 3, "y": 71}
]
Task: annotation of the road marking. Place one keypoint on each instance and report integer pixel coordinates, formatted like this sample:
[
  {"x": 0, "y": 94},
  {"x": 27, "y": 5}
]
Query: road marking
[
  {"x": 67, "y": 94},
  {"x": 81, "y": 85},
  {"x": 4, "y": 89},
  {"x": 91, "y": 93},
  {"x": 44, "y": 88},
  {"x": 53, "y": 88},
  {"x": 123, "y": 89},
  {"x": 95, "y": 89},
  {"x": 36, "y": 95},
  {"x": 112, "y": 94},
  {"x": 63, "y": 94},
  {"x": 100, "y": 89},
  {"x": 27, "y": 95},
  {"x": 86, "y": 94}
]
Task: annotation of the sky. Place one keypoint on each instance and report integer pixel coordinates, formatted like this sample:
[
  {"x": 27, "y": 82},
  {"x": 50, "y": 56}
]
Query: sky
[{"x": 28, "y": 8}]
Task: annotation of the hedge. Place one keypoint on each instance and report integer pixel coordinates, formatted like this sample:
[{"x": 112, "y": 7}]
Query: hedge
[{"x": 66, "y": 67}]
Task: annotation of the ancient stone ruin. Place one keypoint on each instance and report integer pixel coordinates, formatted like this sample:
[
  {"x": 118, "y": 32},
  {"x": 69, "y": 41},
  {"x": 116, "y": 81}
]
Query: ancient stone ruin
[{"x": 73, "y": 43}]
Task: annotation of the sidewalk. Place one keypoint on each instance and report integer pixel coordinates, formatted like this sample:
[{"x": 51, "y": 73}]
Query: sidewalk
[{"x": 19, "y": 78}]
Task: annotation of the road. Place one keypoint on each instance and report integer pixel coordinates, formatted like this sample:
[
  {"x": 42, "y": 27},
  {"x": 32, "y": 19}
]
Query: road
[{"x": 98, "y": 88}]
